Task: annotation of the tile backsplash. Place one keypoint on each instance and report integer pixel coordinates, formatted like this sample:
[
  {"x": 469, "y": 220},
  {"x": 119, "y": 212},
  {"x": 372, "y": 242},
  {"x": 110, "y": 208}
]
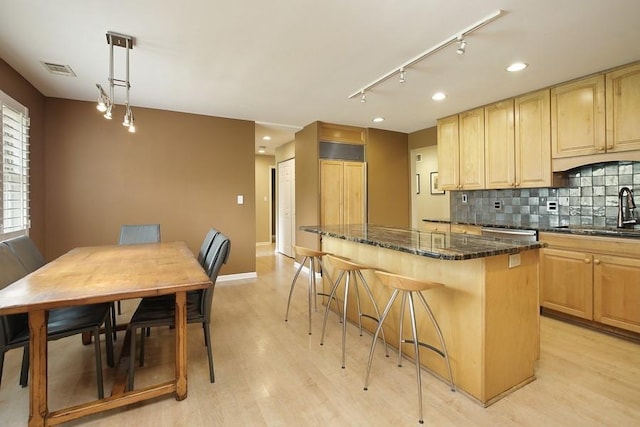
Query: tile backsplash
[{"x": 591, "y": 198}]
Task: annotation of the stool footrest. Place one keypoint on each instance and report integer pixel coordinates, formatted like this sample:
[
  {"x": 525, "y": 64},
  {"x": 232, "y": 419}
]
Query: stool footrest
[{"x": 430, "y": 347}]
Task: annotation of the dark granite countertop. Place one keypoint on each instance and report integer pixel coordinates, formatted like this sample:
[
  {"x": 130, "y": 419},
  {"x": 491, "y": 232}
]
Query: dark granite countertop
[
  {"x": 445, "y": 246},
  {"x": 585, "y": 230}
]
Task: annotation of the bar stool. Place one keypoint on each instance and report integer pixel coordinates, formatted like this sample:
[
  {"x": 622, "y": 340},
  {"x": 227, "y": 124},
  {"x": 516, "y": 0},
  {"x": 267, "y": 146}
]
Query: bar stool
[
  {"x": 352, "y": 270},
  {"x": 408, "y": 287},
  {"x": 312, "y": 256}
]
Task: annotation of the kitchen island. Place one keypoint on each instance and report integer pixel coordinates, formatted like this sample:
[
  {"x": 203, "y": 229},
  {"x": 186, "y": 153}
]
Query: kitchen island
[{"x": 488, "y": 309}]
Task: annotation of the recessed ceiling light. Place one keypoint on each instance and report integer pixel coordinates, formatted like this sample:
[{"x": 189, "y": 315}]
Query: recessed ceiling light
[
  {"x": 262, "y": 149},
  {"x": 266, "y": 138},
  {"x": 378, "y": 119},
  {"x": 517, "y": 66},
  {"x": 438, "y": 96}
]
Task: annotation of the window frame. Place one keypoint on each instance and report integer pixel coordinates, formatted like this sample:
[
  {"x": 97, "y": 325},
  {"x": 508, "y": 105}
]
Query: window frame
[{"x": 20, "y": 167}]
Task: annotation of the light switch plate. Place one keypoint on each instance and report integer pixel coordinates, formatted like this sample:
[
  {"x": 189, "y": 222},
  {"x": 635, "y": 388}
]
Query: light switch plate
[{"x": 240, "y": 199}]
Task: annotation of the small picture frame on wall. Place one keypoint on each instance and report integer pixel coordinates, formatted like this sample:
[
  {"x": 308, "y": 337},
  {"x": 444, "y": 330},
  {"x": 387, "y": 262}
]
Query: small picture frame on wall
[{"x": 433, "y": 180}]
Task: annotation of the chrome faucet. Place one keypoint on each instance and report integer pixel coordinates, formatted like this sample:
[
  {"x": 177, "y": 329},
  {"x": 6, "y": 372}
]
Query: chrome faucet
[{"x": 626, "y": 208}]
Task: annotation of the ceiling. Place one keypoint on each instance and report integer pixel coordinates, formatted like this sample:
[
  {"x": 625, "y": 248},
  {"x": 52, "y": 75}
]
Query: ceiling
[{"x": 287, "y": 63}]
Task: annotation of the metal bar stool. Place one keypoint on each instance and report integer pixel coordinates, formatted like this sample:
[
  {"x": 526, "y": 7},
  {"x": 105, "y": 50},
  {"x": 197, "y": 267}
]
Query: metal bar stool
[
  {"x": 408, "y": 287},
  {"x": 312, "y": 256},
  {"x": 352, "y": 270}
]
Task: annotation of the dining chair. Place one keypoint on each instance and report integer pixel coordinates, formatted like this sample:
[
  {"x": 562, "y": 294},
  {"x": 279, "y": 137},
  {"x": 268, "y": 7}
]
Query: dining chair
[
  {"x": 135, "y": 234},
  {"x": 62, "y": 322},
  {"x": 27, "y": 252},
  {"x": 159, "y": 311}
]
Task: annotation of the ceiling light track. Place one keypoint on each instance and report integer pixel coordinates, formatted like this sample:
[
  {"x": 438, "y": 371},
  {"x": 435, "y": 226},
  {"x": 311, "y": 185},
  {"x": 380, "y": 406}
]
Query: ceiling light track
[
  {"x": 459, "y": 37},
  {"x": 106, "y": 101}
]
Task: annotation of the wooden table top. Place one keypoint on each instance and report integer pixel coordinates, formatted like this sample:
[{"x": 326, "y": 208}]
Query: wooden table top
[{"x": 97, "y": 274}]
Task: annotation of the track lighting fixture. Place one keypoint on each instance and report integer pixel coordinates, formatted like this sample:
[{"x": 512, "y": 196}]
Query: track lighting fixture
[
  {"x": 363, "y": 98},
  {"x": 106, "y": 101},
  {"x": 459, "y": 37},
  {"x": 462, "y": 46}
]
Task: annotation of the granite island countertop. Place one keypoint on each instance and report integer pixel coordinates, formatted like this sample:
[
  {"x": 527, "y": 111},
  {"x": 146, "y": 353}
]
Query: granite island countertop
[{"x": 445, "y": 246}]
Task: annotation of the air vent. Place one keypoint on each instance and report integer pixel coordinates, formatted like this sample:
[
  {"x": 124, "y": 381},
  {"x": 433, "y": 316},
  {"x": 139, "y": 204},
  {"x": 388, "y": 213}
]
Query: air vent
[{"x": 59, "y": 69}]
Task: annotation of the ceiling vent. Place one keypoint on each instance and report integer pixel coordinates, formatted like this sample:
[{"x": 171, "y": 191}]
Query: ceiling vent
[{"x": 59, "y": 69}]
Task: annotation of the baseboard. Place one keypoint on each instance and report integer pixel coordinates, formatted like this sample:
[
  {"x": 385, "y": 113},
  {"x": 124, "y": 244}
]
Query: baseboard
[{"x": 238, "y": 276}]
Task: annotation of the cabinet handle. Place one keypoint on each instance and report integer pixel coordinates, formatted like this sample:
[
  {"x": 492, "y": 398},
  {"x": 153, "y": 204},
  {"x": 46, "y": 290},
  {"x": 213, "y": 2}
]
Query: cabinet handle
[
  {"x": 596, "y": 261},
  {"x": 610, "y": 147},
  {"x": 517, "y": 184},
  {"x": 600, "y": 148},
  {"x": 587, "y": 261}
]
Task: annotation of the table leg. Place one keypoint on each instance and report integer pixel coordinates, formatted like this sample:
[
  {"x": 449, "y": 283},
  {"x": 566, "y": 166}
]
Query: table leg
[
  {"x": 181, "y": 345},
  {"x": 38, "y": 410}
]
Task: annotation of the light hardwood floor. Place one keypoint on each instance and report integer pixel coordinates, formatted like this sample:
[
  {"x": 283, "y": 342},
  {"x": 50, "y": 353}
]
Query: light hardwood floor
[{"x": 272, "y": 373}]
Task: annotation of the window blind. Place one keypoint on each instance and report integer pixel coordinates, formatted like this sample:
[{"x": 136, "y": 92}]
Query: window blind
[{"x": 14, "y": 196}]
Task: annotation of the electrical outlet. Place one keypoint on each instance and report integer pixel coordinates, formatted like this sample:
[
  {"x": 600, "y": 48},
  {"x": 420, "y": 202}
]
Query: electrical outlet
[
  {"x": 497, "y": 205},
  {"x": 465, "y": 199},
  {"x": 552, "y": 206}
]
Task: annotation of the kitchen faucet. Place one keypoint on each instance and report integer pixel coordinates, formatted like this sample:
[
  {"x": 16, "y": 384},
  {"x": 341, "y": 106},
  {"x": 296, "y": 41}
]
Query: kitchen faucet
[{"x": 626, "y": 208}]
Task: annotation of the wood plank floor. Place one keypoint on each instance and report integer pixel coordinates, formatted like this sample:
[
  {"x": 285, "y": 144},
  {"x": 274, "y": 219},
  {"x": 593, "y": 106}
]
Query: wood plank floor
[{"x": 272, "y": 373}]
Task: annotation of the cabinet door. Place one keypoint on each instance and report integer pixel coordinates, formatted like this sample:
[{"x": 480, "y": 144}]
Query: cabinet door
[
  {"x": 354, "y": 193},
  {"x": 623, "y": 109},
  {"x": 499, "y": 145},
  {"x": 566, "y": 282},
  {"x": 533, "y": 140},
  {"x": 472, "y": 149},
  {"x": 617, "y": 291},
  {"x": 448, "y": 154},
  {"x": 331, "y": 191},
  {"x": 578, "y": 118}
]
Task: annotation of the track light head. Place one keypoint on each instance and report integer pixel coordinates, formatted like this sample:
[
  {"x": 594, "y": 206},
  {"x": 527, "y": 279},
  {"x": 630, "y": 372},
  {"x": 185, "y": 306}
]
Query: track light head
[
  {"x": 403, "y": 77},
  {"x": 107, "y": 114},
  {"x": 103, "y": 99},
  {"x": 363, "y": 97},
  {"x": 462, "y": 47}
]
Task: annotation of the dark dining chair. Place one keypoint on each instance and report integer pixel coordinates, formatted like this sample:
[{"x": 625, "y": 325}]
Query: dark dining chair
[
  {"x": 136, "y": 234},
  {"x": 62, "y": 322},
  {"x": 160, "y": 311}
]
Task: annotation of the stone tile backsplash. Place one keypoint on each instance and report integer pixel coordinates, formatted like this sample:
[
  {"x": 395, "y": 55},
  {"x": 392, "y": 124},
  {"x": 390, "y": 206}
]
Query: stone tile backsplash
[{"x": 591, "y": 199}]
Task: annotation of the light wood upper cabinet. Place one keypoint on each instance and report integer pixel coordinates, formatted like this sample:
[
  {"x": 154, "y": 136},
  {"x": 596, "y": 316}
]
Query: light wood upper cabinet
[
  {"x": 578, "y": 118},
  {"x": 448, "y": 154},
  {"x": 499, "y": 145},
  {"x": 533, "y": 140},
  {"x": 623, "y": 109},
  {"x": 471, "y": 138}
]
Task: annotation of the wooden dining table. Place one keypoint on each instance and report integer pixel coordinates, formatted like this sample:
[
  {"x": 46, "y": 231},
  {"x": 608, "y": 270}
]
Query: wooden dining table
[{"x": 98, "y": 274}]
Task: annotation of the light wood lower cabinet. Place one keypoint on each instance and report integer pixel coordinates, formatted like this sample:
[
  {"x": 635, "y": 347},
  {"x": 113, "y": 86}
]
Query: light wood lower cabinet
[
  {"x": 616, "y": 291},
  {"x": 435, "y": 226},
  {"x": 600, "y": 284},
  {"x": 567, "y": 282},
  {"x": 466, "y": 229}
]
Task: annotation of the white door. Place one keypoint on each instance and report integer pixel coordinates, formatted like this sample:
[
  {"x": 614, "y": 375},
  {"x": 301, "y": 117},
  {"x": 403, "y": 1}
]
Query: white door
[{"x": 286, "y": 207}]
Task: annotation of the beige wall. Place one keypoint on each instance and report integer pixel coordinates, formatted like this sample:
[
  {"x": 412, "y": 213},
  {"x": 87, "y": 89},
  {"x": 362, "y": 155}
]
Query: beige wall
[
  {"x": 22, "y": 91},
  {"x": 387, "y": 178},
  {"x": 263, "y": 198},
  {"x": 426, "y": 205},
  {"x": 183, "y": 171}
]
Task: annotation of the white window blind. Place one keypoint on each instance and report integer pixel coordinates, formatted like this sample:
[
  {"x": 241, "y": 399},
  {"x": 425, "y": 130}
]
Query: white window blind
[{"x": 14, "y": 196}]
